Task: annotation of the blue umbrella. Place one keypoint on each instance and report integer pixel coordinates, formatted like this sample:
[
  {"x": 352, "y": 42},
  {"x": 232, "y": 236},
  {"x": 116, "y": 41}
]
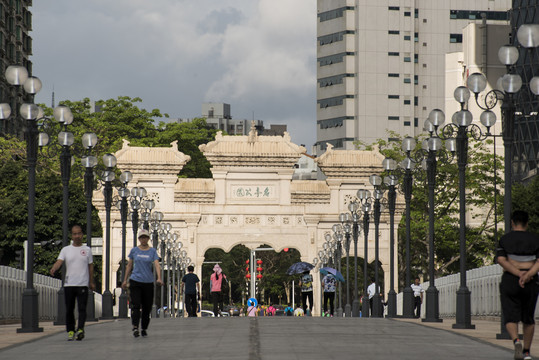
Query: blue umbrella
[
  {"x": 299, "y": 268},
  {"x": 332, "y": 271}
]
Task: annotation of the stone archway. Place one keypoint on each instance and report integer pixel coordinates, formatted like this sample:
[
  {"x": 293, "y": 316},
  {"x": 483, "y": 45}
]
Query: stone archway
[{"x": 252, "y": 199}]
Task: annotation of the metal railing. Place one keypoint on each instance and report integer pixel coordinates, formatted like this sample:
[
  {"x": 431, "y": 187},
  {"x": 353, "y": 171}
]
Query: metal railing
[{"x": 12, "y": 285}]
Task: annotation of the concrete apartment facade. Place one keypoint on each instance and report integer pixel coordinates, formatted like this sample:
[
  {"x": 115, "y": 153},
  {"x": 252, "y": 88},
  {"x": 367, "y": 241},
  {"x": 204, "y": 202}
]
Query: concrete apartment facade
[{"x": 381, "y": 64}]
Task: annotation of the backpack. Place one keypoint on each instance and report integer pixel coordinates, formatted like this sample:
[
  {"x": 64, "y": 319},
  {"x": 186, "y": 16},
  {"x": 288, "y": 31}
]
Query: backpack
[{"x": 289, "y": 311}]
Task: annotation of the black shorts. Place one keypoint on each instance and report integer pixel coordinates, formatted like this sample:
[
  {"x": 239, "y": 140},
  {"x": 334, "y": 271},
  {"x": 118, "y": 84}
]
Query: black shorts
[{"x": 518, "y": 304}]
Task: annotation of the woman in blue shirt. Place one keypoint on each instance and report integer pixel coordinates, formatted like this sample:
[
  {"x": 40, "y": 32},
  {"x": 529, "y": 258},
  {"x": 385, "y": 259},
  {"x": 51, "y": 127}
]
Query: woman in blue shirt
[{"x": 141, "y": 280}]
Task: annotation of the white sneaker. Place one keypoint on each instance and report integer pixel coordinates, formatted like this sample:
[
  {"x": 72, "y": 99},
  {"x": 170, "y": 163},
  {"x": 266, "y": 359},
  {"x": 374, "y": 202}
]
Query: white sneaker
[{"x": 518, "y": 351}]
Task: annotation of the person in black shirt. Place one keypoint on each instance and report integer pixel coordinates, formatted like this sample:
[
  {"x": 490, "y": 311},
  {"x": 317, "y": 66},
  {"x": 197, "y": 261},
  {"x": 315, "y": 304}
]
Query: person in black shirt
[
  {"x": 192, "y": 286},
  {"x": 518, "y": 254}
]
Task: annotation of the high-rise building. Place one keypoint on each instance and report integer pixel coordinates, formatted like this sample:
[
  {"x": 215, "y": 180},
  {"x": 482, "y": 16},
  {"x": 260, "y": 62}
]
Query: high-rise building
[
  {"x": 15, "y": 49},
  {"x": 381, "y": 64},
  {"x": 525, "y": 148}
]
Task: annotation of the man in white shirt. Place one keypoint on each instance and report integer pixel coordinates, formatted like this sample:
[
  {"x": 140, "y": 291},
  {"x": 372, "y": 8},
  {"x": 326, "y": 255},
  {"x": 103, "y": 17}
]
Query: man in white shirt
[
  {"x": 418, "y": 297},
  {"x": 79, "y": 275},
  {"x": 371, "y": 290}
]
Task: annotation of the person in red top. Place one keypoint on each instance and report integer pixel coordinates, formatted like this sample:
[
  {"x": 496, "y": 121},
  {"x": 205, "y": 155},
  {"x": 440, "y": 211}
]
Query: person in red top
[{"x": 216, "y": 280}]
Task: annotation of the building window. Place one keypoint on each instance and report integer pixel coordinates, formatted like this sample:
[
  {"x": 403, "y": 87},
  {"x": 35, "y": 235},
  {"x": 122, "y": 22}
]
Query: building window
[
  {"x": 416, "y": 122},
  {"x": 407, "y": 13},
  {"x": 393, "y": 118},
  {"x": 394, "y": 8},
  {"x": 407, "y": 81},
  {"x": 407, "y": 59},
  {"x": 455, "y": 38},
  {"x": 393, "y": 96},
  {"x": 416, "y": 13},
  {"x": 333, "y": 80},
  {"x": 407, "y": 102},
  {"x": 416, "y": 58},
  {"x": 393, "y": 75},
  {"x": 416, "y": 79},
  {"x": 416, "y": 37},
  {"x": 333, "y": 101},
  {"x": 416, "y": 100},
  {"x": 331, "y": 38},
  {"x": 473, "y": 15},
  {"x": 392, "y": 53},
  {"x": 333, "y": 59},
  {"x": 406, "y": 123},
  {"x": 407, "y": 37},
  {"x": 393, "y": 32},
  {"x": 333, "y": 14}
]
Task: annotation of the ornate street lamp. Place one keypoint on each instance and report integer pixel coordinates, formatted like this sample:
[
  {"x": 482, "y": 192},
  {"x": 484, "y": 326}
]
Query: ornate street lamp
[
  {"x": 89, "y": 140},
  {"x": 156, "y": 218},
  {"x": 337, "y": 246},
  {"x": 164, "y": 236},
  {"x": 391, "y": 182},
  {"x": 365, "y": 200},
  {"x": 344, "y": 218},
  {"x": 18, "y": 75},
  {"x": 108, "y": 177},
  {"x": 408, "y": 165},
  {"x": 123, "y": 206}
]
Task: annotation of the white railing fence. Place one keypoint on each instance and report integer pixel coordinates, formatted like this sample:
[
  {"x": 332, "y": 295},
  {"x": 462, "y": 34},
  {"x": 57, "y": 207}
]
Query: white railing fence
[
  {"x": 484, "y": 286},
  {"x": 12, "y": 285}
]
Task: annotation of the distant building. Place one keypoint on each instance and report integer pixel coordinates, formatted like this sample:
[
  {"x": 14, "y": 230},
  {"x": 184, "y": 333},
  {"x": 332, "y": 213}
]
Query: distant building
[{"x": 15, "y": 49}]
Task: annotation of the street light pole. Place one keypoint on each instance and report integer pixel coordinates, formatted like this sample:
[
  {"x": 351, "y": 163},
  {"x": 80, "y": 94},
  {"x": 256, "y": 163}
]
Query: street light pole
[
  {"x": 364, "y": 197},
  {"x": 376, "y": 181},
  {"x": 408, "y": 164},
  {"x": 89, "y": 140},
  {"x": 156, "y": 217},
  {"x": 108, "y": 176},
  {"x": 18, "y": 75},
  {"x": 345, "y": 222},
  {"x": 391, "y": 181},
  {"x": 123, "y": 192},
  {"x": 355, "y": 233}
]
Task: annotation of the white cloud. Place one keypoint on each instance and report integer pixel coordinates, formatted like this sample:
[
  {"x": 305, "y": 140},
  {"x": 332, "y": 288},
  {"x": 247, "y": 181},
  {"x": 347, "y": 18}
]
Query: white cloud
[{"x": 257, "y": 55}]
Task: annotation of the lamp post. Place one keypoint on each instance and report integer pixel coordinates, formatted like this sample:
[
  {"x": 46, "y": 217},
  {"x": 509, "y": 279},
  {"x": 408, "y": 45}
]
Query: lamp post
[
  {"x": 508, "y": 86},
  {"x": 164, "y": 235},
  {"x": 432, "y": 146},
  {"x": 376, "y": 181},
  {"x": 89, "y": 140},
  {"x": 345, "y": 223},
  {"x": 109, "y": 161},
  {"x": 391, "y": 182},
  {"x": 18, "y": 75},
  {"x": 408, "y": 164},
  {"x": 156, "y": 218},
  {"x": 123, "y": 206},
  {"x": 364, "y": 197},
  {"x": 337, "y": 236}
]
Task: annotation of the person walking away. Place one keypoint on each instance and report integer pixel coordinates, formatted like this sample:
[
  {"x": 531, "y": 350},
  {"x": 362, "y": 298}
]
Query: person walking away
[
  {"x": 289, "y": 310},
  {"x": 251, "y": 309},
  {"x": 79, "y": 275},
  {"x": 329, "y": 282},
  {"x": 270, "y": 311},
  {"x": 518, "y": 255},
  {"x": 141, "y": 278},
  {"x": 216, "y": 279},
  {"x": 306, "y": 284},
  {"x": 299, "y": 311},
  {"x": 191, "y": 283},
  {"x": 418, "y": 297},
  {"x": 371, "y": 290}
]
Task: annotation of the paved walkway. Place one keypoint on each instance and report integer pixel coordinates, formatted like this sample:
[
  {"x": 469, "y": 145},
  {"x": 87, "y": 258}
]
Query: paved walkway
[{"x": 263, "y": 338}]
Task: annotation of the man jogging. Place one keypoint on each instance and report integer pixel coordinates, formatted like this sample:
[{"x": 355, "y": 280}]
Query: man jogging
[
  {"x": 518, "y": 254},
  {"x": 79, "y": 274}
]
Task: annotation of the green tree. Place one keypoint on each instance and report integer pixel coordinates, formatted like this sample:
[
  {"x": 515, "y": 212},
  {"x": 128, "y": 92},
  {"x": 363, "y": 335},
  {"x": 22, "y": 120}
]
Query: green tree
[
  {"x": 525, "y": 198},
  {"x": 480, "y": 179}
]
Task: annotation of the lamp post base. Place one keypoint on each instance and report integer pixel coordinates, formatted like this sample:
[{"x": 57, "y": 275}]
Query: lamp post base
[
  {"x": 377, "y": 308},
  {"x": 392, "y": 304},
  {"x": 365, "y": 308},
  {"x": 339, "y": 311},
  {"x": 347, "y": 310},
  {"x": 30, "y": 318},
  {"x": 355, "y": 308},
  {"x": 106, "y": 313},
  {"x": 408, "y": 303},
  {"x": 464, "y": 309},
  {"x": 90, "y": 307},
  {"x": 122, "y": 305},
  {"x": 61, "y": 308},
  {"x": 432, "y": 311}
]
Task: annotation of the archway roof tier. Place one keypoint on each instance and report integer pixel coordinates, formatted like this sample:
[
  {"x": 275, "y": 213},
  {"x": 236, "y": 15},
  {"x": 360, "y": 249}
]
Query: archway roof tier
[
  {"x": 350, "y": 163},
  {"x": 151, "y": 161},
  {"x": 252, "y": 151}
]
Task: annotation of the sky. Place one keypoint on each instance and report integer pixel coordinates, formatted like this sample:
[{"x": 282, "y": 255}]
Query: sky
[{"x": 259, "y": 56}]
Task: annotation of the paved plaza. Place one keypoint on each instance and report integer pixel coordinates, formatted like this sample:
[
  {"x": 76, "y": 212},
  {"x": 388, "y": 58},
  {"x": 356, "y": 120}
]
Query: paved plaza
[{"x": 265, "y": 338}]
